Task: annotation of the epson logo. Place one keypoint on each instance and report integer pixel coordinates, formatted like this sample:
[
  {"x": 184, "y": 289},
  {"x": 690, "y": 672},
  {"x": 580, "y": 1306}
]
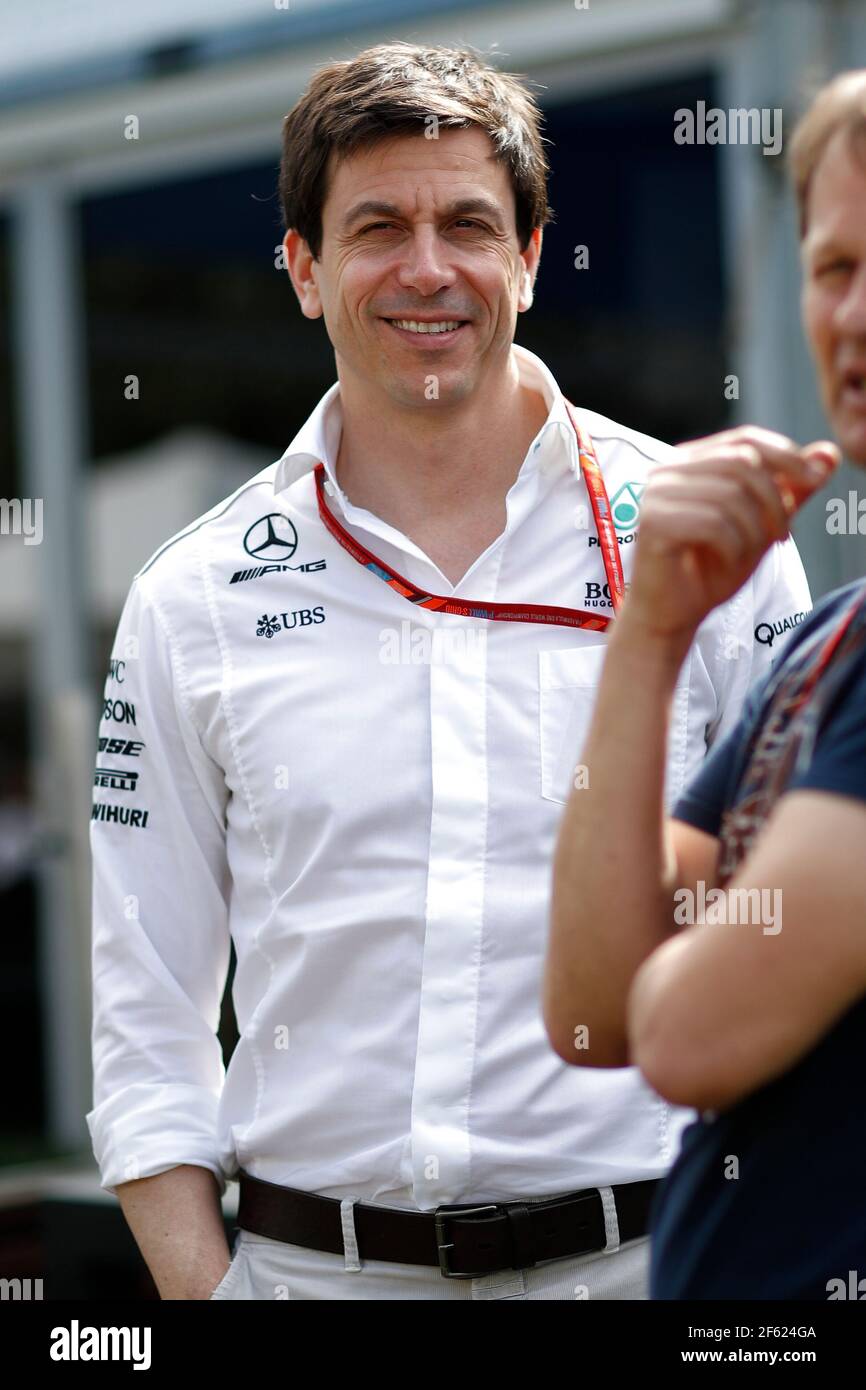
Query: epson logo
[{"x": 119, "y": 711}]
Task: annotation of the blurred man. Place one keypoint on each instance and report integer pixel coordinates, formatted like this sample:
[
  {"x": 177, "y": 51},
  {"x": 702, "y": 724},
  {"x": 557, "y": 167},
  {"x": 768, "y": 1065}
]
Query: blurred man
[
  {"x": 338, "y": 731},
  {"x": 754, "y": 1012}
]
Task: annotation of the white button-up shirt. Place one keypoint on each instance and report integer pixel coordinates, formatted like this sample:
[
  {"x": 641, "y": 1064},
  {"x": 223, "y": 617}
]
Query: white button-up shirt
[{"x": 364, "y": 797}]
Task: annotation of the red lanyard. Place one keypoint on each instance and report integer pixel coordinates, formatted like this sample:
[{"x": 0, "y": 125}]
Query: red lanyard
[{"x": 485, "y": 608}]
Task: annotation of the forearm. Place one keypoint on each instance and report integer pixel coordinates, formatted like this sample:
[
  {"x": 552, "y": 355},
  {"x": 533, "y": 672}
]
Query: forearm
[
  {"x": 176, "y": 1219},
  {"x": 613, "y": 868}
]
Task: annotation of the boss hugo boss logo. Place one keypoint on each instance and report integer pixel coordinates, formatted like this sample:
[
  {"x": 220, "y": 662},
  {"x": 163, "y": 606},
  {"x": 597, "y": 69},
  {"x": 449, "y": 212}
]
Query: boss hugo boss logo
[
  {"x": 597, "y": 595},
  {"x": 286, "y": 622}
]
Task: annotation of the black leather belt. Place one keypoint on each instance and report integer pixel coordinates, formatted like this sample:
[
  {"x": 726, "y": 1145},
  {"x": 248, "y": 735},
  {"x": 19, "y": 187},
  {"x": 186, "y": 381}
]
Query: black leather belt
[{"x": 465, "y": 1240}]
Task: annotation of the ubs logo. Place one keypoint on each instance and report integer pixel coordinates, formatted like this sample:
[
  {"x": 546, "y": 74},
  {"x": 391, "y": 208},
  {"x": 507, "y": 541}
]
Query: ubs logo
[{"x": 285, "y": 622}]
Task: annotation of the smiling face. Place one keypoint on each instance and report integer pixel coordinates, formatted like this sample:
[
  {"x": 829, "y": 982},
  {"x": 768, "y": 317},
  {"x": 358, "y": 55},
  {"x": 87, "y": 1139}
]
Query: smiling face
[
  {"x": 834, "y": 290},
  {"x": 416, "y": 234}
]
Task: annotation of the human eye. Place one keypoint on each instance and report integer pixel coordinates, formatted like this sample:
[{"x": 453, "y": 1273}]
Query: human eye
[{"x": 837, "y": 265}]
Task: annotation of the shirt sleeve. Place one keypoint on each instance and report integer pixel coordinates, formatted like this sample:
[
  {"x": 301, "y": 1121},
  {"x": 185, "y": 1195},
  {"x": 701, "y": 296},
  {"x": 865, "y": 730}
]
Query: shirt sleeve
[
  {"x": 838, "y": 763},
  {"x": 161, "y": 943},
  {"x": 706, "y": 796},
  {"x": 756, "y": 627}
]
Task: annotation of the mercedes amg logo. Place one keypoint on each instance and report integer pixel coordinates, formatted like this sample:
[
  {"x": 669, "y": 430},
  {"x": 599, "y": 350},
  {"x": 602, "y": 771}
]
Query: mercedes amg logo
[{"x": 272, "y": 537}]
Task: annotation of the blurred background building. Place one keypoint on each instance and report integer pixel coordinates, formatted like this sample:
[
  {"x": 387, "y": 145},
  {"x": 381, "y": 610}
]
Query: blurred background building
[{"x": 152, "y": 356}]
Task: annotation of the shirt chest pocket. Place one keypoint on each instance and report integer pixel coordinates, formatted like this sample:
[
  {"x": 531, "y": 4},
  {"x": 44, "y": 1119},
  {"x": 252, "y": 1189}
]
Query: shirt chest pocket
[{"x": 568, "y": 681}]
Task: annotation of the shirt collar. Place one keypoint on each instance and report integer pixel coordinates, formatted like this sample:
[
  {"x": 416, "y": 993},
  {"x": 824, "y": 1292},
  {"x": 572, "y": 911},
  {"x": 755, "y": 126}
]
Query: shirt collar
[{"x": 318, "y": 439}]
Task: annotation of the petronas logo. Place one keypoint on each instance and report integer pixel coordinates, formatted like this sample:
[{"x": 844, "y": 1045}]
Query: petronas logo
[{"x": 625, "y": 506}]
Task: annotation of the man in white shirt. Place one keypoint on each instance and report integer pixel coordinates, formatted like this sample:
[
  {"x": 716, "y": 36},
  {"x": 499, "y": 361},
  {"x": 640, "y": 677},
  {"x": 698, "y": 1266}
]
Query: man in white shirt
[{"x": 306, "y": 750}]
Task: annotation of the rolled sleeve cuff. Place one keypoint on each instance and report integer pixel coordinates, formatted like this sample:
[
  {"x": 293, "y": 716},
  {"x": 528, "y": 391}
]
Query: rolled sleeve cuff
[
  {"x": 145, "y": 1129},
  {"x": 700, "y": 814}
]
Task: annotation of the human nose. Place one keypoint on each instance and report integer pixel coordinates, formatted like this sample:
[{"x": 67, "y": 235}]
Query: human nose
[
  {"x": 851, "y": 310},
  {"x": 424, "y": 265}
]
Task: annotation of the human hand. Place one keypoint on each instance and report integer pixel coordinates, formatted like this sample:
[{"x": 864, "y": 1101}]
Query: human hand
[{"x": 708, "y": 518}]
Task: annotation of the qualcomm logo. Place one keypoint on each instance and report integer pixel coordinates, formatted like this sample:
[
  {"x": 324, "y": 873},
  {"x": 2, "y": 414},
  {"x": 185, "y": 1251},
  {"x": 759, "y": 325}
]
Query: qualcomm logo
[{"x": 625, "y": 505}]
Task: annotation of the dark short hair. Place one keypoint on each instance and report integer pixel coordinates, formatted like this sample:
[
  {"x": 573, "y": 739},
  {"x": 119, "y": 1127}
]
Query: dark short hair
[
  {"x": 839, "y": 105},
  {"x": 394, "y": 89}
]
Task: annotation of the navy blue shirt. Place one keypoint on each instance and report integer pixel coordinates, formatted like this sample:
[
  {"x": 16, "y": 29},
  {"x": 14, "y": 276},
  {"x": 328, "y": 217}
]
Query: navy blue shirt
[{"x": 795, "y": 1217}]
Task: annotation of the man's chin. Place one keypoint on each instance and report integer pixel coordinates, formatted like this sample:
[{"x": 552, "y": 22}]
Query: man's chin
[
  {"x": 850, "y": 435},
  {"x": 445, "y": 385}
]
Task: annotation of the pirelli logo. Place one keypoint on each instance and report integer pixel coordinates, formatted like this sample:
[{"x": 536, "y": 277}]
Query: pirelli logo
[{"x": 120, "y": 781}]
